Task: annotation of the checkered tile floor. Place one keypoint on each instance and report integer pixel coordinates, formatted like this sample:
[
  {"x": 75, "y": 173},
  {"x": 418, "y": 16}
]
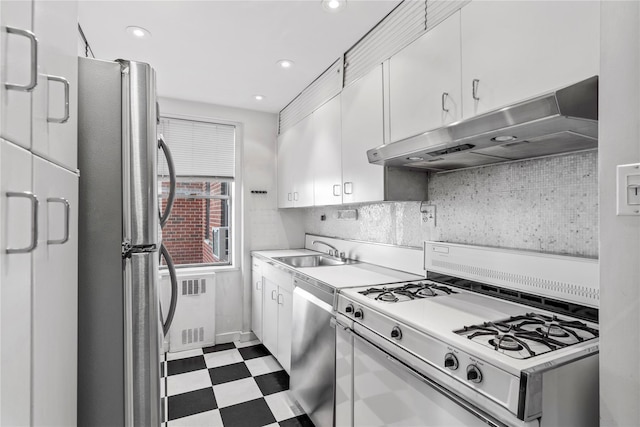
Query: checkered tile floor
[{"x": 230, "y": 385}]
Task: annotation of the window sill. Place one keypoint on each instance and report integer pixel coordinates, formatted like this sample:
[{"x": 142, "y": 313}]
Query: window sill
[{"x": 199, "y": 270}]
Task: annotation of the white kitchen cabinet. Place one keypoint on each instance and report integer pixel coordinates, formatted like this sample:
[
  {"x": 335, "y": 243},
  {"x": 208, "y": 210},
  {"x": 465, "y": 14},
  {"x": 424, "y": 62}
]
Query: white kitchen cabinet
[
  {"x": 17, "y": 232},
  {"x": 277, "y": 314},
  {"x": 257, "y": 295},
  {"x": 55, "y": 110},
  {"x": 362, "y": 129},
  {"x": 295, "y": 171},
  {"x": 424, "y": 82},
  {"x": 515, "y": 50},
  {"x": 18, "y": 69},
  {"x": 326, "y": 153},
  {"x": 55, "y": 296}
]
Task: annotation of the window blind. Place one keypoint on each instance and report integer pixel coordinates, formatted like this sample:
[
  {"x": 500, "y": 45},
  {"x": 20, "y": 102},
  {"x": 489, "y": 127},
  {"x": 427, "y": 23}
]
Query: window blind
[{"x": 199, "y": 149}]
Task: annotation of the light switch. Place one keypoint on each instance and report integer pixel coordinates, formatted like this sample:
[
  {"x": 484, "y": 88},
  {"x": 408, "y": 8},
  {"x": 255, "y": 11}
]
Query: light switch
[{"x": 628, "y": 189}]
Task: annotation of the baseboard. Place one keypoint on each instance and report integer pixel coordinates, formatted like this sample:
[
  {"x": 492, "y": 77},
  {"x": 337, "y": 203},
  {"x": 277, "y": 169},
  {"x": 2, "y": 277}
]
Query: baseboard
[{"x": 234, "y": 336}]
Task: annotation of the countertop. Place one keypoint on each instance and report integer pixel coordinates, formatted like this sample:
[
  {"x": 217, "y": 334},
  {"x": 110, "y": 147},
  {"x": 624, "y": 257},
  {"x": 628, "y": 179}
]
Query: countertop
[{"x": 341, "y": 276}]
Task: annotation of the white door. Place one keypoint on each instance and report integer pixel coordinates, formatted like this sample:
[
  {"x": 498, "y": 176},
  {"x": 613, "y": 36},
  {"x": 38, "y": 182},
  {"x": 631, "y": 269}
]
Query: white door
[
  {"x": 425, "y": 82},
  {"x": 257, "y": 292},
  {"x": 327, "y": 154},
  {"x": 362, "y": 129},
  {"x": 270, "y": 316},
  {"x": 55, "y": 110},
  {"x": 55, "y": 296},
  {"x": 17, "y": 234},
  {"x": 285, "y": 318},
  {"x": 301, "y": 163},
  {"x": 17, "y": 68},
  {"x": 518, "y": 49}
]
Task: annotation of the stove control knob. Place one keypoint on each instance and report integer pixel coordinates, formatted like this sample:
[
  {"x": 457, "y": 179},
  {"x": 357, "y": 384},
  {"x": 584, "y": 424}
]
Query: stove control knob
[
  {"x": 396, "y": 333},
  {"x": 348, "y": 309},
  {"x": 450, "y": 361},
  {"x": 358, "y": 314},
  {"x": 473, "y": 374}
]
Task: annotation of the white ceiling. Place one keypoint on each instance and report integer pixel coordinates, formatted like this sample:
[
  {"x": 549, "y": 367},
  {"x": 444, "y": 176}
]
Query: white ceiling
[{"x": 224, "y": 52}]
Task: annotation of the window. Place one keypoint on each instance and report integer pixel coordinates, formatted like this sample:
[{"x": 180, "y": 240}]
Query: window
[{"x": 200, "y": 229}]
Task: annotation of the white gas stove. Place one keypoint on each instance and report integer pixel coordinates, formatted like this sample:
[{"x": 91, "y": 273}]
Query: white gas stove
[{"x": 502, "y": 354}]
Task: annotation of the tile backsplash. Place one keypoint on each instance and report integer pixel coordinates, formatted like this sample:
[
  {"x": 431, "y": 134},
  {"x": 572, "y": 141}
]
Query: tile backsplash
[{"x": 548, "y": 205}]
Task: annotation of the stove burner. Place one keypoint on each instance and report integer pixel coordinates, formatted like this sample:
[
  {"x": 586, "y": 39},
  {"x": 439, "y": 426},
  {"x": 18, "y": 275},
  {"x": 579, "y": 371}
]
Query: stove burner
[
  {"x": 387, "y": 296},
  {"x": 553, "y": 331},
  {"x": 425, "y": 292},
  {"x": 407, "y": 292},
  {"x": 506, "y": 342}
]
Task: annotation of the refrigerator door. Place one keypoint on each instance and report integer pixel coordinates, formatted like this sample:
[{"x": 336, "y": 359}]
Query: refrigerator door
[
  {"x": 139, "y": 154},
  {"x": 142, "y": 340}
]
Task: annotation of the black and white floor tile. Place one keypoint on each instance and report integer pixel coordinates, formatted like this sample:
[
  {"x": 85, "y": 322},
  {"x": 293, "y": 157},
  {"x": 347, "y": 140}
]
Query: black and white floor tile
[{"x": 230, "y": 385}]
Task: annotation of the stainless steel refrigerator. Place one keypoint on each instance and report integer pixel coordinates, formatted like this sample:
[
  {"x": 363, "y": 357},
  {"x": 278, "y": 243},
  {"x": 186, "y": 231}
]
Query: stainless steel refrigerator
[{"x": 119, "y": 326}]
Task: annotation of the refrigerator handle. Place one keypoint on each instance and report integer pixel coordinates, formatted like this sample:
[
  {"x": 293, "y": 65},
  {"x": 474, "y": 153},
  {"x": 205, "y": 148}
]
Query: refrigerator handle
[
  {"x": 164, "y": 217},
  {"x": 174, "y": 289}
]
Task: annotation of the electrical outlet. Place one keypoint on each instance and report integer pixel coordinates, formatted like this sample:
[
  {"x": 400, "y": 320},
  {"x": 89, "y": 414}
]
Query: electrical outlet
[{"x": 428, "y": 215}]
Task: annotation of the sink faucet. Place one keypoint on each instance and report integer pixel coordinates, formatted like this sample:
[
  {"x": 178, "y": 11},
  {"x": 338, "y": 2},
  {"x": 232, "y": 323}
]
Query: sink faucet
[{"x": 333, "y": 251}]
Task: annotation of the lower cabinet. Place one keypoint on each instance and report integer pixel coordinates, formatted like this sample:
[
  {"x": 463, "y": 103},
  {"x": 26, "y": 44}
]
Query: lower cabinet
[
  {"x": 257, "y": 291},
  {"x": 277, "y": 315}
]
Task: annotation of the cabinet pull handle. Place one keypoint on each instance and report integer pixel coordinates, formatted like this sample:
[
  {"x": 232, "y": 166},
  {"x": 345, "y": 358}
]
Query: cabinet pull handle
[
  {"x": 65, "y": 82},
  {"x": 258, "y": 283},
  {"x": 474, "y": 89},
  {"x": 295, "y": 196},
  {"x": 33, "y": 79},
  {"x": 444, "y": 100},
  {"x": 289, "y": 196},
  {"x": 336, "y": 190},
  {"x": 34, "y": 221},
  {"x": 279, "y": 301},
  {"x": 348, "y": 187},
  {"x": 273, "y": 294},
  {"x": 67, "y": 209}
]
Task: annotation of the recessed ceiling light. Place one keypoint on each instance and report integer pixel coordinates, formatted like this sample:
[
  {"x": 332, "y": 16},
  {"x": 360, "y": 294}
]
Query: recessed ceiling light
[
  {"x": 415, "y": 158},
  {"x": 258, "y": 97},
  {"x": 334, "y": 5},
  {"x": 285, "y": 63},
  {"x": 504, "y": 138},
  {"x": 138, "y": 32}
]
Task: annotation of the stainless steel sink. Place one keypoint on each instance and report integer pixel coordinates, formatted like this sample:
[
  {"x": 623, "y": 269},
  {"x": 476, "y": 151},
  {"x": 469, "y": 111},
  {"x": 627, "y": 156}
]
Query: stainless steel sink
[{"x": 302, "y": 261}]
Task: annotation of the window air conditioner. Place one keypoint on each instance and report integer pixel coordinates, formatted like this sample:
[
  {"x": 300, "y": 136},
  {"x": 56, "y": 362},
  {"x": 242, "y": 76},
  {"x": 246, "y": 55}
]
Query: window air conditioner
[{"x": 220, "y": 242}]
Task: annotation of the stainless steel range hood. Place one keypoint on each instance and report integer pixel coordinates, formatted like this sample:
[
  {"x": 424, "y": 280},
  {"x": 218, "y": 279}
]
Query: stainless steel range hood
[{"x": 562, "y": 121}]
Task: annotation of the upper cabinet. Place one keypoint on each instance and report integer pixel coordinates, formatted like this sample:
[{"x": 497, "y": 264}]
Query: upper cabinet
[
  {"x": 424, "y": 80},
  {"x": 515, "y": 50},
  {"x": 295, "y": 172},
  {"x": 362, "y": 129},
  {"x": 326, "y": 153}
]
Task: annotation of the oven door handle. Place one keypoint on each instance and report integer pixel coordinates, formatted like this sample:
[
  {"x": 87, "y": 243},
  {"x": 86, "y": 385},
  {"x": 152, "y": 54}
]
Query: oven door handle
[{"x": 491, "y": 421}]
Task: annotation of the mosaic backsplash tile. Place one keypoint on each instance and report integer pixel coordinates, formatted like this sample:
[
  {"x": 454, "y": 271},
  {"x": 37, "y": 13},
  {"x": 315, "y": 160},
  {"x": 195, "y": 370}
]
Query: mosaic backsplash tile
[{"x": 547, "y": 205}]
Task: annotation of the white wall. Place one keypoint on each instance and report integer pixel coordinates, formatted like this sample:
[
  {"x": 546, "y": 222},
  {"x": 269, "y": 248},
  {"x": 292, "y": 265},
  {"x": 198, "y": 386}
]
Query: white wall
[
  {"x": 263, "y": 225},
  {"x": 619, "y": 142}
]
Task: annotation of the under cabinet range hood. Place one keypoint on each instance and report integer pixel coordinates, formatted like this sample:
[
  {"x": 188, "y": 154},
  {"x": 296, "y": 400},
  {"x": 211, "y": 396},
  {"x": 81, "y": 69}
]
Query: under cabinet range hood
[{"x": 561, "y": 121}]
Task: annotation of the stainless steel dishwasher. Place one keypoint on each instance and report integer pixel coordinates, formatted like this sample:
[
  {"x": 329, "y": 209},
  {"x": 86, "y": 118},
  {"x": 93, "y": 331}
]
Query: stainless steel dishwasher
[{"x": 313, "y": 348}]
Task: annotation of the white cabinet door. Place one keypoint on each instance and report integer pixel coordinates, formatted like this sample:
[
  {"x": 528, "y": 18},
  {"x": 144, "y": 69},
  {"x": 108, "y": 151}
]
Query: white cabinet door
[
  {"x": 55, "y": 109},
  {"x": 257, "y": 288},
  {"x": 17, "y": 232},
  {"x": 327, "y": 154},
  {"x": 362, "y": 129},
  {"x": 301, "y": 163},
  {"x": 16, "y": 68},
  {"x": 285, "y": 317},
  {"x": 55, "y": 296},
  {"x": 285, "y": 175},
  {"x": 425, "y": 82},
  {"x": 270, "y": 316},
  {"x": 519, "y": 49}
]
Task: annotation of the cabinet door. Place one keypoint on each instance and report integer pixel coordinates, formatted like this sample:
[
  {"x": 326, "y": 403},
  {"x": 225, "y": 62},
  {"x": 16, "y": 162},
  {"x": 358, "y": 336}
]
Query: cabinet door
[
  {"x": 55, "y": 124},
  {"x": 270, "y": 316},
  {"x": 521, "y": 49},
  {"x": 55, "y": 296},
  {"x": 301, "y": 163},
  {"x": 425, "y": 82},
  {"x": 362, "y": 129},
  {"x": 257, "y": 287},
  {"x": 327, "y": 154},
  {"x": 285, "y": 316},
  {"x": 17, "y": 232},
  {"x": 285, "y": 177},
  {"x": 15, "y": 68}
]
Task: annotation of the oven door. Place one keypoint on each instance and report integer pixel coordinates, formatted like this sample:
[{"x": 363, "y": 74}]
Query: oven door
[{"x": 387, "y": 392}]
